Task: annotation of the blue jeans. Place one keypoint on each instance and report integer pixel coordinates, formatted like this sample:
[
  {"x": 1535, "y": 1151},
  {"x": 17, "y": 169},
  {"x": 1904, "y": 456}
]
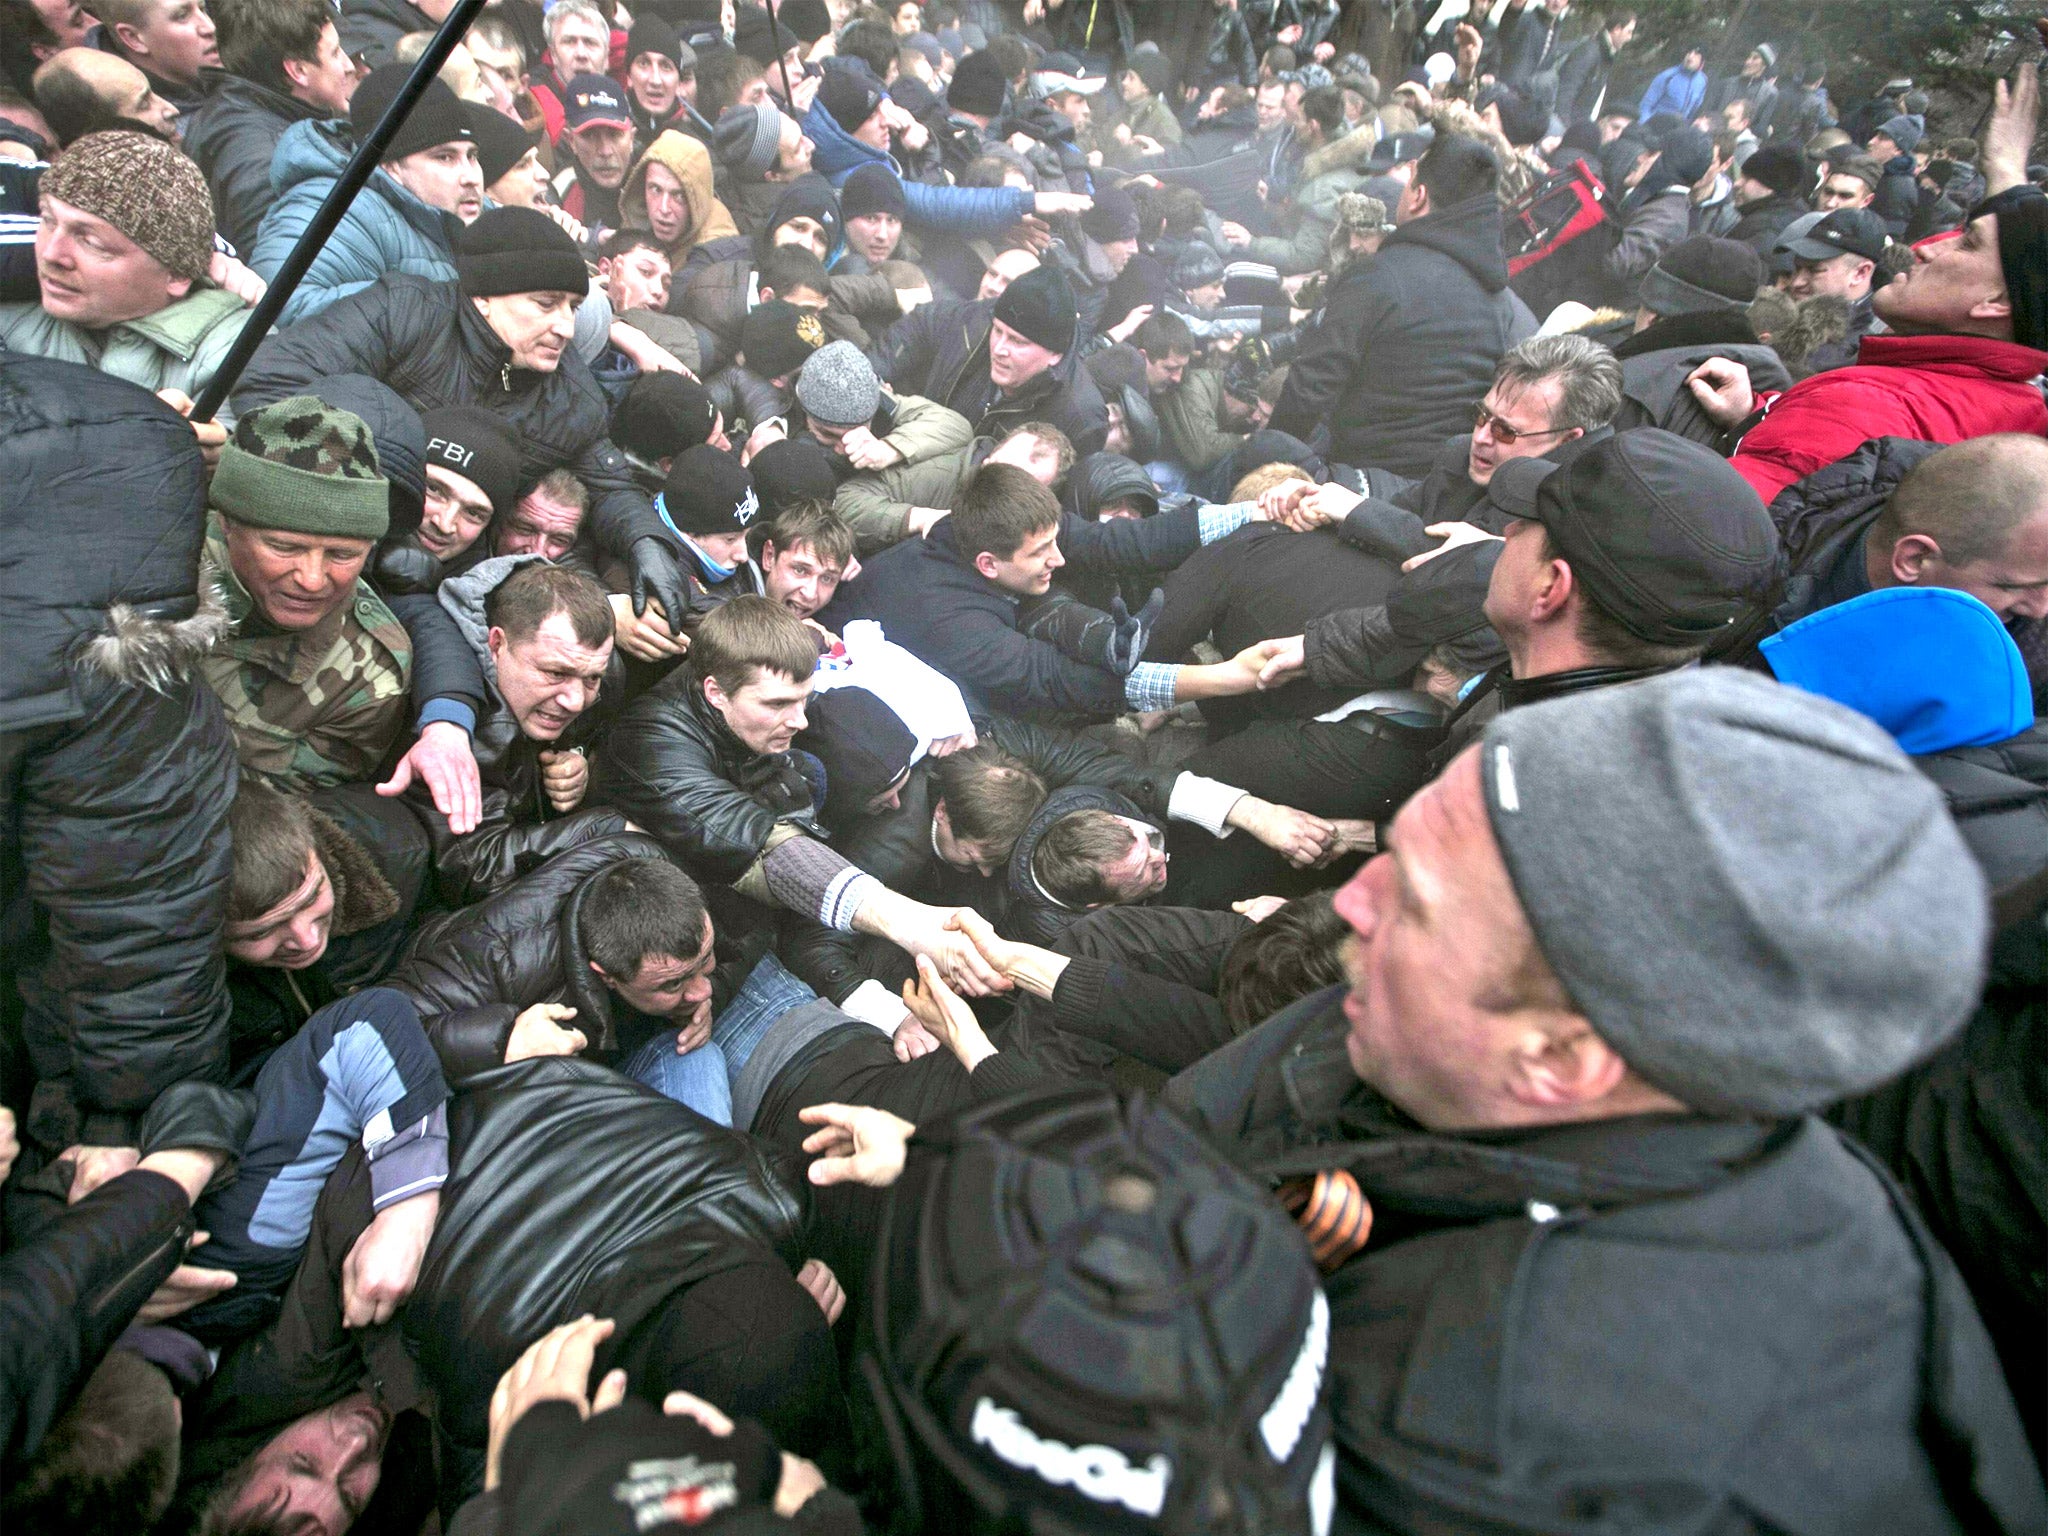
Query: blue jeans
[{"x": 703, "y": 1079}]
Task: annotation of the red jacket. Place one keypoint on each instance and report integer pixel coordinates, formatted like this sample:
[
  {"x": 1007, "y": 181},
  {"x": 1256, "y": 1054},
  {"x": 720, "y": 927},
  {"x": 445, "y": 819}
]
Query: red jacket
[{"x": 1938, "y": 389}]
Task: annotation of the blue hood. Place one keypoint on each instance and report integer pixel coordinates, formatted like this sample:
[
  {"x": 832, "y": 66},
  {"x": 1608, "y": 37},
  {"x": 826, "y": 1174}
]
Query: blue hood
[
  {"x": 837, "y": 154},
  {"x": 1933, "y": 667},
  {"x": 313, "y": 150}
]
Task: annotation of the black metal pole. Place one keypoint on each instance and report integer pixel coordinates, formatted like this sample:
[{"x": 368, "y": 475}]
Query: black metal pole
[
  {"x": 781, "y": 54},
  {"x": 365, "y": 160}
]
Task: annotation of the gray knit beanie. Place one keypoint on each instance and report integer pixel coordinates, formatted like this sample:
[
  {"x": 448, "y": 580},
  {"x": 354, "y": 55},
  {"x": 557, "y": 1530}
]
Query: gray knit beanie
[
  {"x": 1749, "y": 891},
  {"x": 748, "y": 139},
  {"x": 838, "y": 386}
]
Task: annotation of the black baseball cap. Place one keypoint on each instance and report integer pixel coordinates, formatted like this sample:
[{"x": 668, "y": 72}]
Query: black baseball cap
[
  {"x": 1662, "y": 533},
  {"x": 1399, "y": 149},
  {"x": 1855, "y": 231}
]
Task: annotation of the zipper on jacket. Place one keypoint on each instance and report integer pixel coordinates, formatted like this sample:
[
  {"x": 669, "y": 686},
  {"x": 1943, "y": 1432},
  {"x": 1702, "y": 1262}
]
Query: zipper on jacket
[{"x": 505, "y": 378}]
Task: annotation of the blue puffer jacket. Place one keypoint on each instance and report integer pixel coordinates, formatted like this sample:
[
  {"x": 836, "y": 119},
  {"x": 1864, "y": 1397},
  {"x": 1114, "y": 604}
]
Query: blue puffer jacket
[
  {"x": 965, "y": 211},
  {"x": 386, "y": 229}
]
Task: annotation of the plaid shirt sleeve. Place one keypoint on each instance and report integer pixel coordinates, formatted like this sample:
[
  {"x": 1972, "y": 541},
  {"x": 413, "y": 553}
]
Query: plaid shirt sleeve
[
  {"x": 1150, "y": 686},
  {"x": 1219, "y": 520}
]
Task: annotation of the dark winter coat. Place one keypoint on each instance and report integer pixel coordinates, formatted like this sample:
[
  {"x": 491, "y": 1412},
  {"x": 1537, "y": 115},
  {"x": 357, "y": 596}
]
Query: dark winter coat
[
  {"x": 1763, "y": 220},
  {"x": 931, "y": 601},
  {"x": 1657, "y": 360},
  {"x": 1529, "y": 40},
  {"x": 233, "y": 136},
  {"x": 370, "y": 29},
  {"x": 430, "y": 345},
  {"x": 1547, "y": 1266},
  {"x": 1582, "y": 78},
  {"x": 1898, "y": 195},
  {"x": 106, "y": 722},
  {"x": 940, "y": 351},
  {"x": 1143, "y": 981},
  {"x": 574, "y": 1190},
  {"x": 1407, "y": 342}
]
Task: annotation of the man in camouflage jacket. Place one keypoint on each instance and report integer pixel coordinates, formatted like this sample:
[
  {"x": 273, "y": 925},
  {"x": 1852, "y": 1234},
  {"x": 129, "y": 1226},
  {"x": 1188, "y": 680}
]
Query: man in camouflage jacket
[{"x": 314, "y": 670}]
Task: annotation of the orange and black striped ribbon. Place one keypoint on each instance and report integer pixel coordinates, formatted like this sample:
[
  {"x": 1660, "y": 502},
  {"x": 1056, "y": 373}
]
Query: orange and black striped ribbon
[{"x": 1333, "y": 1213}]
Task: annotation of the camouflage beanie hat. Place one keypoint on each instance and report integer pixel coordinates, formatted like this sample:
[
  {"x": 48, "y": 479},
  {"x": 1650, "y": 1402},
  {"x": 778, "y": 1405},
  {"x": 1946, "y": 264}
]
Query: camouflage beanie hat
[
  {"x": 301, "y": 466},
  {"x": 145, "y": 189}
]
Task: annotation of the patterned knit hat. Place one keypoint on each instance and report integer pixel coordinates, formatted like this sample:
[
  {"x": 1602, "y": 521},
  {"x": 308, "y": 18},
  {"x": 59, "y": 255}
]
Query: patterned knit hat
[
  {"x": 301, "y": 466},
  {"x": 145, "y": 189}
]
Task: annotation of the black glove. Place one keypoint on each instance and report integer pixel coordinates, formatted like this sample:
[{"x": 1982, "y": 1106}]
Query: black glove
[
  {"x": 656, "y": 575},
  {"x": 202, "y": 1117},
  {"x": 1133, "y": 631}
]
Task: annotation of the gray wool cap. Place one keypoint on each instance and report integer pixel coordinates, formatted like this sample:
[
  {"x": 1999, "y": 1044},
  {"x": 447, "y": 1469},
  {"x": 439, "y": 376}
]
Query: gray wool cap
[
  {"x": 838, "y": 386},
  {"x": 1750, "y": 892}
]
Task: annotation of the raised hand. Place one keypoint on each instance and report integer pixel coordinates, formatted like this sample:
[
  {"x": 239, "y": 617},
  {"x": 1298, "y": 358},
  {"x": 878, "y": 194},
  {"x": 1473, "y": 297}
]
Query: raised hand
[
  {"x": 444, "y": 761},
  {"x": 540, "y": 1031},
  {"x": 556, "y": 1366},
  {"x": 856, "y": 1145}
]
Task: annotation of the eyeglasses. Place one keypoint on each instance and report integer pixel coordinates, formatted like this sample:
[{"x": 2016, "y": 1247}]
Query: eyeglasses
[{"x": 1507, "y": 436}]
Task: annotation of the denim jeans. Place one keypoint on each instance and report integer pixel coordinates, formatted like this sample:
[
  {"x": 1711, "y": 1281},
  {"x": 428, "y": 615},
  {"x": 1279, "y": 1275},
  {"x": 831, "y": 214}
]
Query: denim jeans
[{"x": 703, "y": 1079}]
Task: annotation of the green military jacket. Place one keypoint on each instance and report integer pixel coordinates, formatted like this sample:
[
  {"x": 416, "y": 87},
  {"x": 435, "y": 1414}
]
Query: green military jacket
[{"x": 308, "y": 707}]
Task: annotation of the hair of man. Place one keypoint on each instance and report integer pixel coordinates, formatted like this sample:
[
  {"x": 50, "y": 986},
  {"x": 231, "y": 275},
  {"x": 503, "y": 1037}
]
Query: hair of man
[
  {"x": 255, "y": 37},
  {"x": 990, "y": 796},
  {"x": 1070, "y": 857},
  {"x": 535, "y": 593},
  {"x": 1589, "y": 377},
  {"x": 813, "y": 523},
  {"x": 272, "y": 836},
  {"x": 1970, "y": 498},
  {"x": 641, "y": 907},
  {"x": 747, "y": 635},
  {"x": 1296, "y": 951},
  {"x": 1000, "y": 508}
]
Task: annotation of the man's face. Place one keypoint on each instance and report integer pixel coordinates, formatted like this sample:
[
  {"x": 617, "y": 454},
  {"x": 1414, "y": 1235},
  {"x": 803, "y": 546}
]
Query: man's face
[
  {"x": 293, "y": 934},
  {"x": 804, "y": 231},
  {"x": 1528, "y": 412},
  {"x": 654, "y": 79},
  {"x": 1119, "y": 253},
  {"x": 1950, "y": 284},
  {"x": 318, "y": 1473},
  {"x": 125, "y": 91},
  {"x": 766, "y": 712},
  {"x": 93, "y": 275},
  {"x": 753, "y": 93},
  {"x": 1753, "y": 66},
  {"x": 793, "y": 155},
  {"x": 964, "y": 854},
  {"x": 605, "y": 153},
  {"x": 176, "y": 41},
  {"x": 874, "y": 235},
  {"x": 1014, "y": 361},
  {"x": 1612, "y": 126},
  {"x": 1439, "y": 937},
  {"x": 550, "y": 677},
  {"x": 1521, "y": 572},
  {"x": 1132, "y": 87},
  {"x": 1073, "y": 106},
  {"x": 638, "y": 280},
  {"x": 874, "y": 132},
  {"x": 524, "y": 186},
  {"x": 327, "y": 80},
  {"x": 1846, "y": 276},
  {"x": 455, "y": 512},
  {"x": 1695, "y": 60},
  {"x": 538, "y": 525},
  {"x": 1030, "y": 453},
  {"x": 908, "y": 17},
  {"x": 686, "y": 87},
  {"x": 579, "y": 47},
  {"x": 448, "y": 176},
  {"x": 2012, "y": 583},
  {"x": 1141, "y": 871},
  {"x": 500, "y": 73},
  {"x": 1165, "y": 371},
  {"x": 1206, "y": 296},
  {"x": 1007, "y": 267},
  {"x": 1619, "y": 37},
  {"x": 1883, "y": 148},
  {"x": 668, "y": 208},
  {"x": 1845, "y": 191},
  {"x": 535, "y": 327},
  {"x": 68, "y": 20},
  {"x": 1028, "y": 572},
  {"x": 670, "y": 988},
  {"x": 295, "y": 579},
  {"x": 799, "y": 578},
  {"x": 1270, "y": 107}
]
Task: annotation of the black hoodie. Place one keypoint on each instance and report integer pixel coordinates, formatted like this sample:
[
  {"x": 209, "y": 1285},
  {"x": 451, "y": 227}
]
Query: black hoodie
[{"x": 1407, "y": 341}]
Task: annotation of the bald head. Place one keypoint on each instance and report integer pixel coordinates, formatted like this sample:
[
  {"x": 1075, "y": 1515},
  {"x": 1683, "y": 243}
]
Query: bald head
[
  {"x": 84, "y": 90},
  {"x": 1973, "y": 517}
]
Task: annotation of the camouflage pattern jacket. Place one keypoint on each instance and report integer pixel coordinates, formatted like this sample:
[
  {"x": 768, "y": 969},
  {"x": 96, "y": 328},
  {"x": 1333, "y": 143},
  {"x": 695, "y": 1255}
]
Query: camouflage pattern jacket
[{"x": 308, "y": 707}]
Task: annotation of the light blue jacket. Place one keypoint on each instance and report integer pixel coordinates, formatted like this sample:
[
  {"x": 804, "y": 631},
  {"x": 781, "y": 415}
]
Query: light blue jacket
[
  {"x": 964, "y": 211},
  {"x": 1677, "y": 89},
  {"x": 386, "y": 228}
]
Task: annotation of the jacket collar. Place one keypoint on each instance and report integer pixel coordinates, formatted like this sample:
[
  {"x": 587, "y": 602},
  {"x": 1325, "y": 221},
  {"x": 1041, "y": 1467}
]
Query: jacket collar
[
  {"x": 2007, "y": 361},
  {"x": 1727, "y": 328},
  {"x": 181, "y": 325},
  {"x": 1517, "y": 691}
]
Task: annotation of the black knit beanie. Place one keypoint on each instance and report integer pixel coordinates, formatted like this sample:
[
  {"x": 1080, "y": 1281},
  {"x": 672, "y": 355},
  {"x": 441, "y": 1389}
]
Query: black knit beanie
[
  {"x": 850, "y": 96},
  {"x": 469, "y": 441},
  {"x": 709, "y": 492},
  {"x": 872, "y": 189},
  {"x": 2022, "y": 214},
  {"x": 1780, "y": 167},
  {"x": 1114, "y": 216},
  {"x": 518, "y": 250},
  {"x": 978, "y": 85},
  {"x": 1039, "y": 306},
  {"x": 778, "y": 338}
]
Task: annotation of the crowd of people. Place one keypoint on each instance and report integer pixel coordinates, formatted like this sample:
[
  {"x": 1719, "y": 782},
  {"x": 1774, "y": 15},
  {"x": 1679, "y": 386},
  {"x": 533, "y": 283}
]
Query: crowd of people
[{"x": 991, "y": 765}]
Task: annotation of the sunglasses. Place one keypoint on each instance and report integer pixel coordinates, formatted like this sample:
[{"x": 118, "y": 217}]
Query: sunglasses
[{"x": 1504, "y": 434}]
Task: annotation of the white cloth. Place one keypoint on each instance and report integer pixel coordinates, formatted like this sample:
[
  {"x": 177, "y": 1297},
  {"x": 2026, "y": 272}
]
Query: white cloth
[{"x": 927, "y": 701}]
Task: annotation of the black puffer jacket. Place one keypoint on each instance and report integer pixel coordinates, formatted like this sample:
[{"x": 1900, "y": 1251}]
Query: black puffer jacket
[
  {"x": 674, "y": 768},
  {"x": 940, "y": 351},
  {"x": 1407, "y": 342},
  {"x": 431, "y": 346},
  {"x": 1033, "y": 916},
  {"x": 519, "y": 829},
  {"x": 114, "y": 754},
  {"x": 233, "y": 135},
  {"x": 574, "y": 1190}
]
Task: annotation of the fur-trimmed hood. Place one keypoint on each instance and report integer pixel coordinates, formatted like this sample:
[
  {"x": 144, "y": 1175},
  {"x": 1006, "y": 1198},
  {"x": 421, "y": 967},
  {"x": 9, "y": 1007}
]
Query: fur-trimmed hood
[
  {"x": 155, "y": 653},
  {"x": 1348, "y": 153},
  {"x": 363, "y": 898}
]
